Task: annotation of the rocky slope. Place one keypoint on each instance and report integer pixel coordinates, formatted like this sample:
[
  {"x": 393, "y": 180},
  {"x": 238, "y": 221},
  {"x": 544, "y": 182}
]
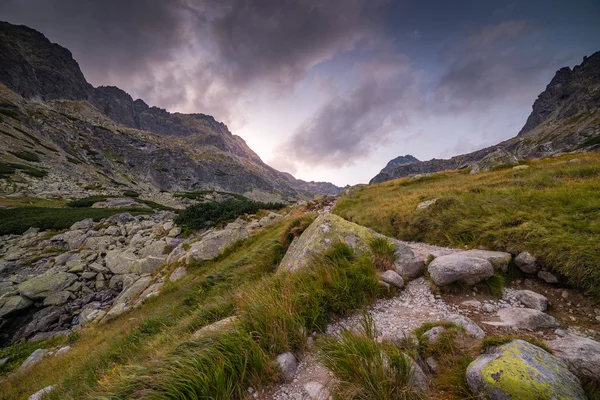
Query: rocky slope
[
  {"x": 565, "y": 118},
  {"x": 82, "y": 134}
]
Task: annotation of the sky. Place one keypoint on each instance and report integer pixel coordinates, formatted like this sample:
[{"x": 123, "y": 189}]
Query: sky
[{"x": 329, "y": 90}]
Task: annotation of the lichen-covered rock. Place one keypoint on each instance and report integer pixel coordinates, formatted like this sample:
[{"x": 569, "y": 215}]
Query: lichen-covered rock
[
  {"x": 43, "y": 285},
  {"x": 524, "y": 318},
  {"x": 33, "y": 358},
  {"x": 526, "y": 263},
  {"x": 498, "y": 158},
  {"x": 392, "y": 278},
  {"x": 463, "y": 267},
  {"x": 13, "y": 304},
  {"x": 270, "y": 219},
  {"x": 533, "y": 300},
  {"x": 499, "y": 259},
  {"x": 213, "y": 243},
  {"x": 327, "y": 230},
  {"x": 467, "y": 324},
  {"x": 120, "y": 262},
  {"x": 581, "y": 354},
  {"x": 57, "y": 298},
  {"x": 520, "y": 370}
]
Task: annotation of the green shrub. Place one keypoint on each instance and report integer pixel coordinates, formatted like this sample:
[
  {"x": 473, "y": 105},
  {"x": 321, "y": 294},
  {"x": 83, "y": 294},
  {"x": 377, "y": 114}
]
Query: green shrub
[
  {"x": 131, "y": 193},
  {"x": 205, "y": 215},
  {"x": 86, "y": 201},
  {"x": 199, "y": 195},
  {"x": 10, "y": 168},
  {"x": 365, "y": 369},
  {"x": 384, "y": 253},
  {"x": 295, "y": 229},
  {"x": 26, "y": 155}
]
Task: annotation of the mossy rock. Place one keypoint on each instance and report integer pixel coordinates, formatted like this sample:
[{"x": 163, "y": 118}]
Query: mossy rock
[{"x": 520, "y": 370}]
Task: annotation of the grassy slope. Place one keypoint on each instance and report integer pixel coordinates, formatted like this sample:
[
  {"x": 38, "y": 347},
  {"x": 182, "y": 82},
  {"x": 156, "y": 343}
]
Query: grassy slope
[{"x": 551, "y": 209}]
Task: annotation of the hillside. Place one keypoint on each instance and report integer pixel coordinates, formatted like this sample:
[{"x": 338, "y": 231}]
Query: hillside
[
  {"x": 565, "y": 117},
  {"x": 81, "y": 134}
]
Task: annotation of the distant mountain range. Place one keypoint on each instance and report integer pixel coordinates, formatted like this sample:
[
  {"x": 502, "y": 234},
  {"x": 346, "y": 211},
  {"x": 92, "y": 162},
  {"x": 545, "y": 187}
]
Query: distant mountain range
[
  {"x": 565, "y": 117},
  {"x": 79, "y": 136}
]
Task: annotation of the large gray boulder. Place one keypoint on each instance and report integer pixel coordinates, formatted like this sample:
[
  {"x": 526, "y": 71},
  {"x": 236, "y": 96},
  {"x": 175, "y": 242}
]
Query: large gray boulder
[
  {"x": 42, "y": 286},
  {"x": 13, "y": 304},
  {"x": 520, "y": 370},
  {"x": 33, "y": 358},
  {"x": 213, "y": 243},
  {"x": 327, "y": 230},
  {"x": 467, "y": 324},
  {"x": 393, "y": 278},
  {"x": 498, "y": 158},
  {"x": 499, "y": 259},
  {"x": 533, "y": 300},
  {"x": 527, "y": 263},
  {"x": 581, "y": 354},
  {"x": 120, "y": 262},
  {"x": 462, "y": 267},
  {"x": 524, "y": 318}
]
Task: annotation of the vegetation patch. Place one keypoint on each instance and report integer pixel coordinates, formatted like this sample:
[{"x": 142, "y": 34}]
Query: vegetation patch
[
  {"x": 294, "y": 229},
  {"x": 200, "y": 195},
  {"x": 26, "y": 155},
  {"x": 384, "y": 253},
  {"x": 11, "y": 168}
]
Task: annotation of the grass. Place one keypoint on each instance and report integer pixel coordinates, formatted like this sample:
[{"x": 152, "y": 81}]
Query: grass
[
  {"x": 492, "y": 341},
  {"x": 384, "y": 253},
  {"x": 551, "y": 209},
  {"x": 26, "y": 155},
  {"x": 294, "y": 229},
  {"x": 20, "y": 351},
  {"x": 11, "y": 168},
  {"x": 366, "y": 369}
]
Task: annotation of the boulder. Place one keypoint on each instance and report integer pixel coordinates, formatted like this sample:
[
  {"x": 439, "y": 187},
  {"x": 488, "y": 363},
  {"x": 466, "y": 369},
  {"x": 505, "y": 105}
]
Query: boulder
[
  {"x": 213, "y": 243},
  {"x": 468, "y": 325},
  {"x": 43, "y": 285},
  {"x": 147, "y": 265},
  {"x": 411, "y": 268},
  {"x": 524, "y": 318},
  {"x": 499, "y": 259},
  {"x": 179, "y": 273},
  {"x": 520, "y": 370},
  {"x": 269, "y": 219},
  {"x": 215, "y": 327},
  {"x": 547, "y": 277},
  {"x": 326, "y": 230},
  {"x": 39, "y": 395},
  {"x": 433, "y": 334},
  {"x": 120, "y": 262},
  {"x": 498, "y": 158},
  {"x": 532, "y": 300},
  {"x": 425, "y": 204},
  {"x": 155, "y": 249},
  {"x": 45, "y": 320},
  {"x": 581, "y": 354},
  {"x": 418, "y": 380},
  {"x": 13, "y": 304},
  {"x": 316, "y": 391},
  {"x": 33, "y": 358},
  {"x": 63, "y": 350},
  {"x": 392, "y": 278},
  {"x": 462, "y": 267},
  {"x": 132, "y": 291},
  {"x": 288, "y": 365},
  {"x": 526, "y": 263},
  {"x": 85, "y": 225},
  {"x": 57, "y": 298},
  {"x": 75, "y": 239}
]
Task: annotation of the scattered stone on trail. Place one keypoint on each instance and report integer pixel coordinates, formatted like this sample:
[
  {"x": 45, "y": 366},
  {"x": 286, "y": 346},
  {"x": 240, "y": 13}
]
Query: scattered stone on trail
[
  {"x": 468, "y": 325},
  {"x": 463, "y": 267},
  {"x": 39, "y": 395},
  {"x": 524, "y": 318},
  {"x": 476, "y": 304},
  {"x": 499, "y": 259},
  {"x": 411, "y": 268},
  {"x": 392, "y": 278},
  {"x": 316, "y": 391},
  {"x": 581, "y": 354},
  {"x": 179, "y": 273},
  {"x": 34, "y": 358},
  {"x": 425, "y": 204},
  {"x": 288, "y": 365},
  {"x": 520, "y": 370},
  {"x": 218, "y": 326},
  {"x": 533, "y": 300},
  {"x": 547, "y": 277},
  {"x": 526, "y": 263},
  {"x": 433, "y": 334}
]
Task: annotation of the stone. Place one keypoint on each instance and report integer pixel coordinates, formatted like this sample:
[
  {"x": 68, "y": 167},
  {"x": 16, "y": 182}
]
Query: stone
[
  {"x": 89, "y": 315},
  {"x": 13, "y": 304},
  {"x": 269, "y": 219},
  {"x": 213, "y": 244},
  {"x": 392, "y": 278},
  {"x": 63, "y": 350},
  {"x": 532, "y": 300},
  {"x": 33, "y": 359},
  {"x": 581, "y": 354},
  {"x": 39, "y": 395},
  {"x": 524, "y": 318},
  {"x": 132, "y": 291},
  {"x": 3, "y": 361},
  {"x": 44, "y": 320},
  {"x": 520, "y": 167},
  {"x": 50, "y": 335},
  {"x": 120, "y": 262},
  {"x": 433, "y": 365},
  {"x": 547, "y": 277},
  {"x": 426, "y": 204},
  {"x": 288, "y": 365},
  {"x": 174, "y": 232},
  {"x": 433, "y": 334},
  {"x": 57, "y": 298},
  {"x": 520, "y": 370},
  {"x": 167, "y": 226},
  {"x": 215, "y": 327},
  {"x": 499, "y": 259},
  {"x": 155, "y": 249},
  {"x": 118, "y": 282},
  {"x": 526, "y": 263},
  {"x": 119, "y": 203},
  {"x": 151, "y": 291},
  {"x": 472, "y": 304},
  {"x": 147, "y": 265},
  {"x": 316, "y": 391},
  {"x": 411, "y": 268},
  {"x": 179, "y": 273},
  {"x": 75, "y": 266},
  {"x": 85, "y": 225},
  {"x": 498, "y": 158},
  {"x": 468, "y": 325},
  {"x": 418, "y": 380},
  {"x": 451, "y": 268},
  {"x": 43, "y": 285}
]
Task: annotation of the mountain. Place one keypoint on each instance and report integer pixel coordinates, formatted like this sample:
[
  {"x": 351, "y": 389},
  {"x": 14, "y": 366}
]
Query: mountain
[
  {"x": 565, "y": 117},
  {"x": 79, "y": 136}
]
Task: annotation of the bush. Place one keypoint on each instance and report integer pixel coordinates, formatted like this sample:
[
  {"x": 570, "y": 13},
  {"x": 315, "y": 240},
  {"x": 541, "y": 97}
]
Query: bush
[
  {"x": 384, "y": 253},
  {"x": 205, "y": 215}
]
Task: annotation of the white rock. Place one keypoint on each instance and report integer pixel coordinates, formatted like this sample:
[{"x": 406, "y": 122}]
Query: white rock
[
  {"x": 533, "y": 300},
  {"x": 288, "y": 365},
  {"x": 39, "y": 395},
  {"x": 392, "y": 278}
]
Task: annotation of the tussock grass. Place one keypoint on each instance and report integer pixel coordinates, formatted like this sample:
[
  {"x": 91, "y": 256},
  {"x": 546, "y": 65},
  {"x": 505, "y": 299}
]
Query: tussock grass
[
  {"x": 384, "y": 253},
  {"x": 492, "y": 341},
  {"x": 365, "y": 369},
  {"x": 294, "y": 229},
  {"x": 551, "y": 209}
]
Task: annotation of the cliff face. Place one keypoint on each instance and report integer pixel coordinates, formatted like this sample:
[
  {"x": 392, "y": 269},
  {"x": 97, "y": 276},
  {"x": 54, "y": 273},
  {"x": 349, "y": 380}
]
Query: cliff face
[
  {"x": 565, "y": 117},
  {"x": 113, "y": 136}
]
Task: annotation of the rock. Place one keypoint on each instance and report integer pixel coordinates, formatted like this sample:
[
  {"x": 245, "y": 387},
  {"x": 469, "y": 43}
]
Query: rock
[
  {"x": 151, "y": 291},
  {"x": 327, "y": 230},
  {"x": 213, "y": 244},
  {"x": 218, "y": 326},
  {"x": 418, "y": 380},
  {"x": 13, "y": 304},
  {"x": 498, "y": 158},
  {"x": 433, "y": 334},
  {"x": 582, "y": 355},
  {"x": 34, "y": 358},
  {"x": 147, "y": 265},
  {"x": 316, "y": 391},
  {"x": 270, "y": 219},
  {"x": 532, "y": 300},
  {"x": 129, "y": 293},
  {"x": 155, "y": 249},
  {"x": 179, "y": 273},
  {"x": 472, "y": 303},
  {"x": 392, "y": 278},
  {"x": 386, "y": 286},
  {"x": 90, "y": 315},
  {"x": 119, "y": 203},
  {"x": 50, "y": 335},
  {"x": 43, "y": 285},
  {"x": 411, "y": 268},
  {"x": 288, "y": 365},
  {"x": 520, "y": 167},
  {"x": 118, "y": 282},
  {"x": 526, "y": 263},
  {"x": 63, "y": 350},
  {"x": 57, "y": 298},
  {"x": 499, "y": 259},
  {"x": 85, "y": 225},
  {"x": 167, "y": 226},
  {"x": 547, "y": 277},
  {"x": 520, "y": 370},
  {"x": 120, "y": 262},
  {"x": 174, "y": 232},
  {"x": 447, "y": 269},
  {"x": 433, "y": 365},
  {"x": 425, "y": 204},
  {"x": 524, "y": 318},
  {"x": 46, "y": 319},
  {"x": 471, "y": 327},
  {"x": 39, "y": 395}
]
